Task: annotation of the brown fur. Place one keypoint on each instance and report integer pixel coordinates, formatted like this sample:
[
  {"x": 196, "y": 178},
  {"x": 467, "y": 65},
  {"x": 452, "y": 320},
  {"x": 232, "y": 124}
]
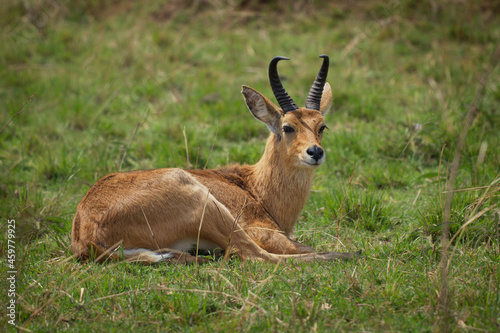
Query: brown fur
[{"x": 250, "y": 210}]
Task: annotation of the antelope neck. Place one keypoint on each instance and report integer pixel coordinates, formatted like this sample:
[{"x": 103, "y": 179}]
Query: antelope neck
[{"x": 282, "y": 189}]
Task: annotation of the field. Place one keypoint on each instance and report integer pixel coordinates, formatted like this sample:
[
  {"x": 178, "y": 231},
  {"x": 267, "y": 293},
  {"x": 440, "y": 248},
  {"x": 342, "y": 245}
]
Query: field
[{"x": 93, "y": 87}]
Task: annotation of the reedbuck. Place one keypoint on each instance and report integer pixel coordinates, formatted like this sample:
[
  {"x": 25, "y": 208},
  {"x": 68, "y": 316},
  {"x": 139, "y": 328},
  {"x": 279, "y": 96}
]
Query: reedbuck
[{"x": 249, "y": 210}]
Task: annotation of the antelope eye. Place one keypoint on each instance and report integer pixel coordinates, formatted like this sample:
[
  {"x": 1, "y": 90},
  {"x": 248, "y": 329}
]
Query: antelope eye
[
  {"x": 288, "y": 129},
  {"x": 322, "y": 128}
]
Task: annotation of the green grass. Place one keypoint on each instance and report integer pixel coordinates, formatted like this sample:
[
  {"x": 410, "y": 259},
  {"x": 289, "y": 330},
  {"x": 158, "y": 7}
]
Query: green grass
[{"x": 116, "y": 82}]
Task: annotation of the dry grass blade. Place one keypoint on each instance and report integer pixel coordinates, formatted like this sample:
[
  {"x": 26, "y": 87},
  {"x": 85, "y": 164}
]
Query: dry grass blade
[
  {"x": 214, "y": 292},
  {"x": 139, "y": 124},
  {"x": 225, "y": 279},
  {"x": 211, "y": 149},
  {"x": 234, "y": 225},
  {"x": 152, "y": 233},
  {"x": 201, "y": 223},
  {"x": 466, "y": 224},
  {"x": 341, "y": 209},
  {"x": 18, "y": 112},
  {"x": 121, "y": 294},
  {"x": 188, "y": 164},
  {"x": 54, "y": 296},
  {"x": 444, "y": 297},
  {"x": 364, "y": 35}
]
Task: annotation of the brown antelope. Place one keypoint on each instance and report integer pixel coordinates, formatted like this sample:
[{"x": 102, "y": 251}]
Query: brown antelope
[{"x": 250, "y": 210}]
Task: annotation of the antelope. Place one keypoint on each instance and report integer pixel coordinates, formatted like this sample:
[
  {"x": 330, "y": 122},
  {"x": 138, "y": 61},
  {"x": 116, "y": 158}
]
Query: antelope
[{"x": 160, "y": 215}]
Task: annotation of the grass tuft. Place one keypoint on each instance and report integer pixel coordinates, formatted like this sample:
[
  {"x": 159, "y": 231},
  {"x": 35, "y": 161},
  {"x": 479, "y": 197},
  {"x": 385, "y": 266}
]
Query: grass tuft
[{"x": 359, "y": 209}]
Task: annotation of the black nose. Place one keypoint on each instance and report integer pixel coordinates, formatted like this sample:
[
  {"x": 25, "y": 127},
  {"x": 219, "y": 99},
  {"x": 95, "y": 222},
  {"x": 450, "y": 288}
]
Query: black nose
[{"x": 315, "y": 152}]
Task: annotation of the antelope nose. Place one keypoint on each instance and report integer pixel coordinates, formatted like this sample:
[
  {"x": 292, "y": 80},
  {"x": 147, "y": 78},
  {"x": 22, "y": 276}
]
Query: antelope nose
[{"x": 315, "y": 152}]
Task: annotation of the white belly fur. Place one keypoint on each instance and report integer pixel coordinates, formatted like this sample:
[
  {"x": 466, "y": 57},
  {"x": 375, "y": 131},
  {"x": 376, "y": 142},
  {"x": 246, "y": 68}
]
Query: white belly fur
[{"x": 189, "y": 243}]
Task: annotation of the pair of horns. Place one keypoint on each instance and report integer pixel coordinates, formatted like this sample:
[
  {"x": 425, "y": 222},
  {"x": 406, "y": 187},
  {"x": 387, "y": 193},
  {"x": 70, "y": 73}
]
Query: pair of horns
[{"x": 285, "y": 101}]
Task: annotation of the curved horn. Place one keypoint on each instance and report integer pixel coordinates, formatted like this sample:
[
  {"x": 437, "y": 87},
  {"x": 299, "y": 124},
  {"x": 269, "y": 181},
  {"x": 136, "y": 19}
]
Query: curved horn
[
  {"x": 284, "y": 100},
  {"x": 314, "y": 98}
]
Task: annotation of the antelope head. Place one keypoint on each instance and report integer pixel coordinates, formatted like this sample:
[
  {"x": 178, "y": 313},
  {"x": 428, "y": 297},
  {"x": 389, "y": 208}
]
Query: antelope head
[{"x": 298, "y": 132}]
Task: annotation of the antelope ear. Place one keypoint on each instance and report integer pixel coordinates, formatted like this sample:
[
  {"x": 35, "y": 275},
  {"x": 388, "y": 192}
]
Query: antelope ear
[
  {"x": 262, "y": 109},
  {"x": 326, "y": 99}
]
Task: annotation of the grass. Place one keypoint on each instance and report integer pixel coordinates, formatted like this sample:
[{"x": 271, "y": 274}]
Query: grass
[{"x": 89, "y": 88}]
